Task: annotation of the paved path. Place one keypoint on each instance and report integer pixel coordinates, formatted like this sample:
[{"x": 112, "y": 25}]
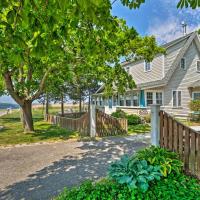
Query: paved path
[{"x": 40, "y": 171}]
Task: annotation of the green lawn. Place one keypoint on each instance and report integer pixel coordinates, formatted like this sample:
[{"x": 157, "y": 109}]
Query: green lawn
[
  {"x": 13, "y": 132},
  {"x": 140, "y": 128}
]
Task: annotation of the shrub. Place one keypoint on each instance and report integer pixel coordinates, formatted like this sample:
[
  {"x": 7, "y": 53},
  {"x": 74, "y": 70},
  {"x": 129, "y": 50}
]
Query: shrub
[
  {"x": 119, "y": 114},
  {"x": 147, "y": 118},
  {"x": 195, "y": 105},
  {"x": 134, "y": 173},
  {"x": 102, "y": 190},
  {"x": 133, "y": 119},
  {"x": 167, "y": 160}
]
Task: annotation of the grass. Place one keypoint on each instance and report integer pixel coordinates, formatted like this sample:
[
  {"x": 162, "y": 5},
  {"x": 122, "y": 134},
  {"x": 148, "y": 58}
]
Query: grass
[
  {"x": 12, "y": 133},
  {"x": 140, "y": 128}
]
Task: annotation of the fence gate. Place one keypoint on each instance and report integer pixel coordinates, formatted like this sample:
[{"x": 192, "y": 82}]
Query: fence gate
[
  {"x": 107, "y": 125},
  {"x": 179, "y": 138}
]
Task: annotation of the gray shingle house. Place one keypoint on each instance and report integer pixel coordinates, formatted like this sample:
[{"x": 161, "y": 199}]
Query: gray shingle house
[{"x": 171, "y": 80}]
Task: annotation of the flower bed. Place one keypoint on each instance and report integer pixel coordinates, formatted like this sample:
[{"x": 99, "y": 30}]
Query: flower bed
[{"x": 153, "y": 173}]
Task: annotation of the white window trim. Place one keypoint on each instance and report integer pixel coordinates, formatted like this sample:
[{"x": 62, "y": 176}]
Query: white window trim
[
  {"x": 154, "y": 96},
  {"x": 185, "y": 64},
  {"x": 176, "y": 99},
  {"x": 193, "y": 94},
  {"x": 145, "y": 66},
  {"x": 197, "y": 66}
]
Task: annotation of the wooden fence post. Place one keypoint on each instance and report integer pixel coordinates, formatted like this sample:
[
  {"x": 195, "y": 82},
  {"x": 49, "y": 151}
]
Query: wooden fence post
[
  {"x": 155, "y": 125},
  {"x": 92, "y": 120}
]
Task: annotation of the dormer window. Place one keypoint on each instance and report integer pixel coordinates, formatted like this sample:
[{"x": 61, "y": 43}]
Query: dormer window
[
  {"x": 183, "y": 64},
  {"x": 147, "y": 66},
  {"x": 198, "y": 65}
]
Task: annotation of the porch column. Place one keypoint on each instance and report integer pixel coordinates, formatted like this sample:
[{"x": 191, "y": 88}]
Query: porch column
[
  {"x": 92, "y": 120},
  {"x": 155, "y": 124},
  {"x": 132, "y": 98}
]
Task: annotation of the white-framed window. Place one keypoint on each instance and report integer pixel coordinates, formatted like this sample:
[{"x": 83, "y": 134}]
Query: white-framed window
[
  {"x": 128, "y": 99},
  {"x": 147, "y": 66},
  {"x": 196, "y": 95},
  {"x": 198, "y": 65},
  {"x": 149, "y": 98},
  {"x": 176, "y": 98},
  {"x": 183, "y": 63},
  {"x": 121, "y": 100},
  {"x": 159, "y": 98},
  {"x": 135, "y": 99}
]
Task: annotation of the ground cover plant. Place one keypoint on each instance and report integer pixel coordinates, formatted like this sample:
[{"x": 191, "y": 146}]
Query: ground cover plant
[{"x": 172, "y": 185}]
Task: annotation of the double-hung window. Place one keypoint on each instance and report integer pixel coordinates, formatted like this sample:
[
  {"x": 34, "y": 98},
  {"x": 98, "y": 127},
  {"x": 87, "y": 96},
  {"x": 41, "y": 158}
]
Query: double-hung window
[
  {"x": 121, "y": 100},
  {"x": 176, "y": 98},
  {"x": 149, "y": 98},
  {"x": 159, "y": 98},
  {"x": 135, "y": 99},
  {"x": 147, "y": 66}
]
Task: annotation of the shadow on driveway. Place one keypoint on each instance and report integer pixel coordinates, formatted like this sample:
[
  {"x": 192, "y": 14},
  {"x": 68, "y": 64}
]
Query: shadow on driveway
[{"x": 91, "y": 163}]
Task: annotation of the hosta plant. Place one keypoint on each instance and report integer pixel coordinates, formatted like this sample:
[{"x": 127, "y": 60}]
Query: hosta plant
[
  {"x": 167, "y": 160},
  {"x": 133, "y": 172}
]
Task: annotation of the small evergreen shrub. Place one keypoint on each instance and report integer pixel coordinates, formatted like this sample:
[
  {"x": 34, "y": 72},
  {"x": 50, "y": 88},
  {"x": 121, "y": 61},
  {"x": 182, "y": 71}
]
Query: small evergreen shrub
[
  {"x": 133, "y": 119},
  {"x": 119, "y": 114},
  {"x": 195, "y": 105}
]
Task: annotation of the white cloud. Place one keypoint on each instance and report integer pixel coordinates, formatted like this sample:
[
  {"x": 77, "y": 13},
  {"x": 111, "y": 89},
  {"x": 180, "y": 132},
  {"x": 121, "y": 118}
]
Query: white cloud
[
  {"x": 168, "y": 30},
  {"x": 169, "y": 27}
]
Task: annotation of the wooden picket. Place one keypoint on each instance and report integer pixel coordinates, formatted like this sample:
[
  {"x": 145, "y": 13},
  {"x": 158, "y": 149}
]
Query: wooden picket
[
  {"x": 74, "y": 124},
  {"x": 179, "y": 138},
  {"x": 107, "y": 125}
]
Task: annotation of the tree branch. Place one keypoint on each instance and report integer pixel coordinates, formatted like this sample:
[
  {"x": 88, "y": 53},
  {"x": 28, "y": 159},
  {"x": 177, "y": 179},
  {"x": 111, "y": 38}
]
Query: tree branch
[
  {"x": 42, "y": 85},
  {"x": 10, "y": 88}
]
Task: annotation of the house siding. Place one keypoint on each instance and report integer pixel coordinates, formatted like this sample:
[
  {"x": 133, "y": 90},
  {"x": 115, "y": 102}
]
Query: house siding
[
  {"x": 136, "y": 69},
  {"x": 171, "y": 54},
  {"x": 181, "y": 80}
]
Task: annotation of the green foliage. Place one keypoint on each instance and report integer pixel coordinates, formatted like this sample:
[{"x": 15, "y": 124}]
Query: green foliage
[
  {"x": 167, "y": 160},
  {"x": 147, "y": 118},
  {"x": 119, "y": 114},
  {"x": 178, "y": 187},
  {"x": 195, "y": 105},
  {"x": 133, "y": 119},
  {"x": 134, "y": 173},
  {"x": 174, "y": 187},
  {"x": 189, "y": 3},
  {"x": 102, "y": 190}
]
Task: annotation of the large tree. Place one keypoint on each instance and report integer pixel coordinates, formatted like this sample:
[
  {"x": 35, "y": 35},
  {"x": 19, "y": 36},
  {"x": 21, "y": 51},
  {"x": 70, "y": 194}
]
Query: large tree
[{"x": 39, "y": 39}]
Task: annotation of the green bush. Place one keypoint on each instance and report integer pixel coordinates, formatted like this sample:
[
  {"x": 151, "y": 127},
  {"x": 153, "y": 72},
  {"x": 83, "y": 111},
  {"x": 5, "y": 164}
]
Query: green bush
[
  {"x": 174, "y": 187},
  {"x": 133, "y": 119},
  {"x": 195, "y": 105},
  {"x": 119, "y": 114},
  {"x": 133, "y": 172},
  {"x": 102, "y": 190},
  {"x": 167, "y": 160}
]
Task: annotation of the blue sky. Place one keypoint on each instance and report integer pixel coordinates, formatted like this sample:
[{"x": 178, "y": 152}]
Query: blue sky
[
  {"x": 160, "y": 18},
  {"x": 156, "y": 17}
]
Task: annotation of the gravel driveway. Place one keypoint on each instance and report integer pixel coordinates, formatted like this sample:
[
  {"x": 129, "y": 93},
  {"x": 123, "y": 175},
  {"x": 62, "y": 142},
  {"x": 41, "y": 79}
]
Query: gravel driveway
[{"x": 41, "y": 171}]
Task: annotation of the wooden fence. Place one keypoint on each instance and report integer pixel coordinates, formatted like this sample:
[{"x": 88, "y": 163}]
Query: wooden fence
[
  {"x": 75, "y": 124},
  {"x": 107, "y": 125},
  {"x": 179, "y": 138}
]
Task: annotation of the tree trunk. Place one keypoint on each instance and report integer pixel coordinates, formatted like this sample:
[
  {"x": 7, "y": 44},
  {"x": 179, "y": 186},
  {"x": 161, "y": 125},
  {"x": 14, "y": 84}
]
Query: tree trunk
[
  {"x": 80, "y": 105},
  {"x": 47, "y": 104},
  {"x": 28, "y": 117},
  {"x": 62, "y": 105}
]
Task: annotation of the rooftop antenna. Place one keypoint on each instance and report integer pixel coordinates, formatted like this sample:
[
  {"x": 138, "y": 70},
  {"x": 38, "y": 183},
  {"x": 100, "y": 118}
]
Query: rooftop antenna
[{"x": 184, "y": 26}]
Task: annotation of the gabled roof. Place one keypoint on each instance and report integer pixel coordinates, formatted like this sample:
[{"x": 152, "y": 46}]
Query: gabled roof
[
  {"x": 158, "y": 83},
  {"x": 195, "y": 84},
  {"x": 174, "y": 64}
]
